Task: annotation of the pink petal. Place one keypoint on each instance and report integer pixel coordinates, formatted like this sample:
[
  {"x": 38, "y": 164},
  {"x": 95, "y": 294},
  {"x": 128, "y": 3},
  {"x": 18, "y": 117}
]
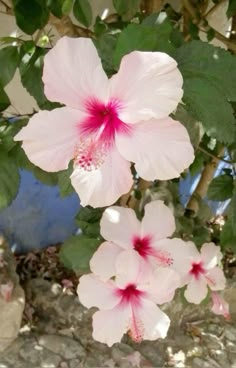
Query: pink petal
[
  {"x": 93, "y": 292},
  {"x": 155, "y": 322},
  {"x": 158, "y": 221},
  {"x": 73, "y": 73},
  {"x": 196, "y": 291},
  {"x": 50, "y": 138},
  {"x": 149, "y": 84},
  {"x": 216, "y": 279},
  {"x": 103, "y": 186},
  {"x": 109, "y": 326},
  {"x": 99, "y": 264},
  {"x": 160, "y": 149},
  {"x": 210, "y": 254},
  {"x": 119, "y": 225},
  {"x": 220, "y": 306},
  {"x": 163, "y": 285}
]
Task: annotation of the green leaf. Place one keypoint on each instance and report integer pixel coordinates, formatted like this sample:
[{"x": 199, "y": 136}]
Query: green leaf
[
  {"x": 64, "y": 181},
  {"x": 232, "y": 213},
  {"x": 143, "y": 38},
  {"x": 44, "y": 177},
  {"x": 77, "y": 251},
  {"x": 197, "y": 164},
  {"x": 9, "y": 61},
  {"x": 127, "y": 8},
  {"x": 67, "y": 6},
  {"x": 208, "y": 87},
  {"x": 4, "y": 100},
  {"x": 55, "y": 7},
  {"x": 9, "y": 180},
  {"x": 227, "y": 236},
  {"x": 193, "y": 127},
  {"x": 31, "y": 15},
  {"x": 231, "y": 11},
  {"x": 105, "y": 45},
  {"x": 8, "y": 131},
  {"x": 88, "y": 220},
  {"x": 31, "y": 69},
  {"x": 83, "y": 12},
  {"x": 221, "y": 188}
]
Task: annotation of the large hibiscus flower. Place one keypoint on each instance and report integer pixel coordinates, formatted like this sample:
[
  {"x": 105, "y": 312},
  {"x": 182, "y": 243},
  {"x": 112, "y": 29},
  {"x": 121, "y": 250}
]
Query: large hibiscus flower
[{"x": 108, "y": 123}]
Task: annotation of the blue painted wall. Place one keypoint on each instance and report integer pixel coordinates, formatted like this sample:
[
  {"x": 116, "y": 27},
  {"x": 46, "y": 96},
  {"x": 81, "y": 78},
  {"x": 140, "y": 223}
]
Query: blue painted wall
[{"x": 38, "y": 217}]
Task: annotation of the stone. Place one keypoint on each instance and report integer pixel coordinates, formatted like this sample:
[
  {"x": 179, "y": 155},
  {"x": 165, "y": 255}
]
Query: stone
[
  {"x": 12, "y": 298},
  {"x": 10, "y": 317},
  {"x": 62, "y": 345},
  {"x": 230, "y": 333}
]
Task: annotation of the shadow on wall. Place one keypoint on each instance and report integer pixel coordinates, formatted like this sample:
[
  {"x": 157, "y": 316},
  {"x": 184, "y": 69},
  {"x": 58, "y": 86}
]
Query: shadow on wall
[{"x": 38, "y": 217}]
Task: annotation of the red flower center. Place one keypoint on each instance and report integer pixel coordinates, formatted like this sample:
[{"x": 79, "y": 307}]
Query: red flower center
[
  {"x": 97, "y": 133},
  {"x": 142, "y": 245},
  {"x": 103, "y": 121},
  {"x": 130, "y": 294},
  {"x": 197, "y": 269}
]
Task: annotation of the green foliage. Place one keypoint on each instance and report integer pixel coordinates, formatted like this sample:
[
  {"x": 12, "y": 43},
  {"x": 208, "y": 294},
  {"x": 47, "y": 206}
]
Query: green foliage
[
  {"x": 221, "y": 188},
  {"x": 9, "y": 61},
  {"x": 106, "y": 45},
  {"x": 4, "y": 99},
  {"x": 127, "y": 8},
  {"x": 77, "y": 251},
  {"x": 231, "y": 11},
  {"x": 193, "y": 127},
  {"x": 31, "y": 69},
  {"x": 64, "y": 182},
  {"x": 143, "y": 37},
  {"x": 208, "y": 87},
  {"x": 9, "y": 179},
  {"x": 83, "y": 12},
  {"x": 31, "y": 15},
  {"x": 88, "y": 220}
]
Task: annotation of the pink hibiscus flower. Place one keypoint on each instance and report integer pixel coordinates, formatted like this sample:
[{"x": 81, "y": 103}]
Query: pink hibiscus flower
[
  {"x": 108, "y": 123},
  {"x": 199, "y": 270},
  {"x": 128, "y": 303},
  {"x": 123, "y": 232}
]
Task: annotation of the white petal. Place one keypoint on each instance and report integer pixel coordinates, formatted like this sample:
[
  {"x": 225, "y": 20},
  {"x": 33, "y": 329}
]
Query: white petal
[
  {"x": 93, "y": 292},
  {"x": 73, "y": 73},
  {"x": 103, "y": 260},
  {"x": 49, "y": 139},
  {"x": 120, "y": 225},
  {"x": 182, "y": 254},
  {"x": 128, "y": 268},
  {"x": 196, "y": 291},
  {"x": 163, "y": 285},
  {"x": 158, "y": 221},
  {"x": 149, "y": 84},
  {"x": 155, "y": 322},
  {"x": 210, "y": 254},
  {"x": 216, "y": 279},
  {"x": 160, "y": 149},
  {"x": 103, "y": 186},
  {"x": 109, "y": 326}
]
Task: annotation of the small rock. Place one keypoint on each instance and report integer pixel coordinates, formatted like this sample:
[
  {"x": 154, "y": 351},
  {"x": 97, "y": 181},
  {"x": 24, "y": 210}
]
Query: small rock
[
  {"x": 10, "y": 317},
  {"x": 200, "y": 363},
  {"x": 63, "y": 346},
  {"x": 230, "y": 333}
]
